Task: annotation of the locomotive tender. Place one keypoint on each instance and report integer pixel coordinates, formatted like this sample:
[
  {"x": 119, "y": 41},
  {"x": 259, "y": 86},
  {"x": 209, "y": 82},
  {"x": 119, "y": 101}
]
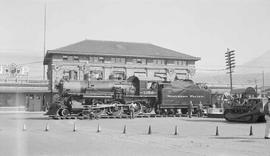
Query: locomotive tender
[{"x": 113, "y": 97}]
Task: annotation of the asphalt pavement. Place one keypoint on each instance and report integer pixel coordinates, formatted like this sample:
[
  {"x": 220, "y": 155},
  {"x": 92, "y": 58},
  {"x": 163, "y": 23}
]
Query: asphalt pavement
[{"x": 25, "y": 134}]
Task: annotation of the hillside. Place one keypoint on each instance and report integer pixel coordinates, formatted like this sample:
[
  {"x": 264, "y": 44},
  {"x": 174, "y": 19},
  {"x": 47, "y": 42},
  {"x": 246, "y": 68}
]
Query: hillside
[
  {"x": 256, "y": 65},
  {"x": 238, "y": 79}
]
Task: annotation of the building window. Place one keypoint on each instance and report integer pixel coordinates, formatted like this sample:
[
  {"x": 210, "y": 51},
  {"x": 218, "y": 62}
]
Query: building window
[
  {"x": 76, "y": 58},
  {"x": 170, "y": 62},
  {"x": 73, "y": 75},
  {"x": 31, "y": 97},
  {"x": 96, "y": 59},
  {"x": 129, "y": 61},
  {"x": 70, "y": 58},
  {"x": 91, "y": 59},
  {"x": 119, "y": 60},
  {"x": 180, "y": 76},
  {"x": 136, "y": 61},
  {"x": 70, "y": 75},
  {"x": 191, "y": 62},
  {"x": 101, "y": 59},
  {"x": 182, "y": 63},
  {"x": 140, "y": 74},
  {"x": 66, "y": 75},
  {"x": 95, "y": 75},
  {"x": 107, "y": 60},
  {"x": 150, "y": 61},
  {"x": 65, "y": 58},
  {"x": 117, "y": 75},
  {"x": 123, "y": 60},
  {"x": 158, "y": 61},
  {"x": 38, "y": 97},
  {"x": 160, "y": 75},
  {"x": 84, "y": 58}
]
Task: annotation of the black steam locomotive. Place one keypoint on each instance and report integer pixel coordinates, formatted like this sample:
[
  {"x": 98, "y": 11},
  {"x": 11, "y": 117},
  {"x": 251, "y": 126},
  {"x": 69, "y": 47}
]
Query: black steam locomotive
[{"x": 113, "y": 97}]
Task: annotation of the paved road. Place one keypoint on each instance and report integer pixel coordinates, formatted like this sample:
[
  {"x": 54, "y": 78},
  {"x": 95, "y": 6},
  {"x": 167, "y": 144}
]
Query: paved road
[{"x": 196, "y": 137}]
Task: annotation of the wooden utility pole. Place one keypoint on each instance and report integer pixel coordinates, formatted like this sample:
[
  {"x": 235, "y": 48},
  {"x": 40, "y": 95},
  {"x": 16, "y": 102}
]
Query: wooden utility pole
[
  {"x": 263, "y": 83},
  {"x": 230, "y": 63},
  {"x": 44, "y": 40}
]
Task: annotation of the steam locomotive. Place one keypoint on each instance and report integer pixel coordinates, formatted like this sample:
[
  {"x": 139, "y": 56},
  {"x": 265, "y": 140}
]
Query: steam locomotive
[{"x": 114, "y": 97}]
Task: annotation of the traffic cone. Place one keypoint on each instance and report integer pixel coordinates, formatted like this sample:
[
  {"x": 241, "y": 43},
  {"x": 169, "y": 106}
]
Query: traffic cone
[
  {"x": 217, "y": 134},
  {"x": 24, "y": 127},
  {"x": 125, "y": 129},
  {"x": 250, "y": 131},
  {"x": 98, "y": 129},
  {"x": 149, "y": 130},
  {"x": 47, "y": 127},
  {"x": 176, "y": 130},
  {"x": 74, "y": 127}
]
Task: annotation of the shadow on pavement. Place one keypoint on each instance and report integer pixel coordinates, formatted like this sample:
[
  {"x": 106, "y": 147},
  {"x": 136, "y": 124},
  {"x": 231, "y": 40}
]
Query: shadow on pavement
[
  {"x": 30, "y": 118},
  {"x": 205, "y": 120},
  {"x": 218, "y": 120},
  {"x": 243, "y": 139}
]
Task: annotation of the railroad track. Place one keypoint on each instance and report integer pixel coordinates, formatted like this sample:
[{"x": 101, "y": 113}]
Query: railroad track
[{"x": 114, "y": 117}]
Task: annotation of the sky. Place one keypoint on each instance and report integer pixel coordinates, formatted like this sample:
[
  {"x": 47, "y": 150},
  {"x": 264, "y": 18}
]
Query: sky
[{"x": 202, "y": 28}]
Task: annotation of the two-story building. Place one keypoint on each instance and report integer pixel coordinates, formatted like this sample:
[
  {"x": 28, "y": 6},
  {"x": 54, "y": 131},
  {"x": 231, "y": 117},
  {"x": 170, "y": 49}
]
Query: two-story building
[{"x": 92, "y": 59}]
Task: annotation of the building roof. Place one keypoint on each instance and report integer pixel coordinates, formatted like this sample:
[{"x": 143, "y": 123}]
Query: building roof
[
  {"x": 24, "y": 87},
  {"x": 116, "y": 48}
]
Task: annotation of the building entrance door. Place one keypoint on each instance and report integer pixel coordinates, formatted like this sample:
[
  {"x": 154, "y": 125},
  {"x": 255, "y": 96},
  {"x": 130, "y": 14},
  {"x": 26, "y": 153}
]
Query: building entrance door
[{"x": 34, "y": 103}]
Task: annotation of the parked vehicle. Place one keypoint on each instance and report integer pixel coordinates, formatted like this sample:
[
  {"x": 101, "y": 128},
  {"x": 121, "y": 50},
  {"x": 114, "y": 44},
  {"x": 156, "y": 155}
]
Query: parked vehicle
[{"x": 246, "y": 107}]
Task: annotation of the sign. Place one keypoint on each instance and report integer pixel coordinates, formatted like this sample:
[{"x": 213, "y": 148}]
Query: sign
[{"x": 13, "y": 70}]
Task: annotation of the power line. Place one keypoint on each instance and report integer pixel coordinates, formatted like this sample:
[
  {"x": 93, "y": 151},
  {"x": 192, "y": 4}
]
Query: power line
[
  {"x": 36, "y": 62},
  {"x": 205, "y": 69}
]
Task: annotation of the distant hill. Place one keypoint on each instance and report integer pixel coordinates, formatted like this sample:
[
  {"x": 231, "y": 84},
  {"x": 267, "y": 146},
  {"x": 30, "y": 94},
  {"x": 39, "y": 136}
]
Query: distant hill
[
  {"x": 238, "y": 79},
  {"x": 256, "y": 65}
]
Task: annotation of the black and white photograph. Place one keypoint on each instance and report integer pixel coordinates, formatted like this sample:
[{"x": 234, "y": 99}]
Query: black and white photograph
[{"x": 135, "y": 77}]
